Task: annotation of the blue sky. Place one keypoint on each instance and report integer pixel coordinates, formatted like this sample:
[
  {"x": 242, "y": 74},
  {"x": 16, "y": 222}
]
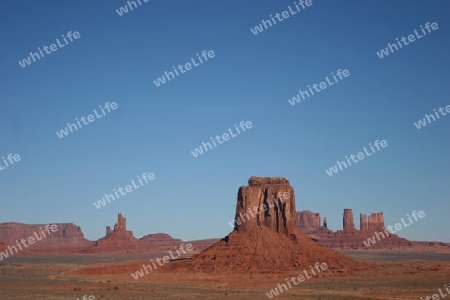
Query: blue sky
[{"x": 250, "y": 79}]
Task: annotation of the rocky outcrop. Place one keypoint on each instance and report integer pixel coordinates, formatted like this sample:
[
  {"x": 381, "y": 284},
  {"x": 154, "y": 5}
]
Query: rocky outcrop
[
  {"x": 363, "y": 222},
  {"x": 348, "y": 220},
  {"x": 119, "y": 238},
  {"x": 308, "y": 221},
  {"x": 325, "y": 224},
  {"x": 375, "y": 221},
  {"x": 268, "y": 242},
  {"x": 68, "y": 234},
  {"x": 268, "y": 202}
]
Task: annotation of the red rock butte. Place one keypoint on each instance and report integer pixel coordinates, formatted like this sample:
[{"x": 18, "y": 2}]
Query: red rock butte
[
  {"x": 268, "y": 242},
  {"x": 267, "y": 194}
]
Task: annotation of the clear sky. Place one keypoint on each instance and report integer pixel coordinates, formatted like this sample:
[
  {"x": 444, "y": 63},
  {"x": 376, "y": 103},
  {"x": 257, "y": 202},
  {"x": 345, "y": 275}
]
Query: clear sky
[{"x": 250, "y": 78}]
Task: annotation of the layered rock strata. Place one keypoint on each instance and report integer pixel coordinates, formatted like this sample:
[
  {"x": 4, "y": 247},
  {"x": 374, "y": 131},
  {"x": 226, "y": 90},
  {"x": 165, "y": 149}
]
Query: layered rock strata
[
  {"x": 363, "y": 222},
  {"x": 375, "y": 221},
  {"x": 68, "y": 234},
  {"x": 348, "y": 220},
  {"x": 268, "y": 202},
  {"x": 308, "y": 221}
]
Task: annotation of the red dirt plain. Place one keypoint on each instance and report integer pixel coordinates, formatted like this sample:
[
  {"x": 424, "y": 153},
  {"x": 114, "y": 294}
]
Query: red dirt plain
[{"x": 392, "y": 275}]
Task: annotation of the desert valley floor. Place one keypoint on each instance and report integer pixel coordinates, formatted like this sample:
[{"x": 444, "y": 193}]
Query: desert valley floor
[{"x": 397, "y": 275}]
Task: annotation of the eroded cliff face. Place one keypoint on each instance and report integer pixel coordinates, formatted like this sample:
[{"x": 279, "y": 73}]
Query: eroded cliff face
[
  {"x": 266, "y": 201},
  {"x": 347, "y": 220},
  {"x": 308, "y": 221},
  {"x": 68, "y": 234},
  {"x": 375, "y": 221}
]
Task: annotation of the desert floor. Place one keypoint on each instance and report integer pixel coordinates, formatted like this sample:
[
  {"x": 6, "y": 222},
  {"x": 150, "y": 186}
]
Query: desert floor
[{"x": 398, "y": 275}]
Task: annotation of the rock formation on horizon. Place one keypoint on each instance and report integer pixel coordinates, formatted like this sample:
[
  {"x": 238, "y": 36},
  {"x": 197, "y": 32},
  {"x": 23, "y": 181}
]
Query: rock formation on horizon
[
  {"x": 268, "y": 242},
  {"x": 159, "y": 239},
  {"x": 351, "y": 238},
  {"x": 119, "y": 238},
  {"x": 348, "y": 224},
  {"x": 308, "y": 221},
  {"x": 68, "y": 234},
  {"x": 375, "y": 221},
  {"x": 363, "y": 222}
]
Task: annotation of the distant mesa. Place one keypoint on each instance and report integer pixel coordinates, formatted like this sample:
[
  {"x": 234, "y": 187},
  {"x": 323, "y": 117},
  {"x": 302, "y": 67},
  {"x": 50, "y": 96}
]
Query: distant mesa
[
  {"x": 268, "y": 242},
  {"x": 160, "y": 239},
  {"x": 68, "y": 234}
]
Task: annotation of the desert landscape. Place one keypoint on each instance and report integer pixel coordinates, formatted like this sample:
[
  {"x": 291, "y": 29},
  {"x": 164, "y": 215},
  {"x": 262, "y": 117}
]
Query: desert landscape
[
  {"x": 198, "y": 149},
  {"x": 266, "y": 250}
]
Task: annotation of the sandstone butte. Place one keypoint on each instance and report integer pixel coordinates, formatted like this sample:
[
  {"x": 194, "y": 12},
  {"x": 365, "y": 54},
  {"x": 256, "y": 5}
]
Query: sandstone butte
[
  {"x": 267, "y": 243},
  {"x": 351, "y": 238}
]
